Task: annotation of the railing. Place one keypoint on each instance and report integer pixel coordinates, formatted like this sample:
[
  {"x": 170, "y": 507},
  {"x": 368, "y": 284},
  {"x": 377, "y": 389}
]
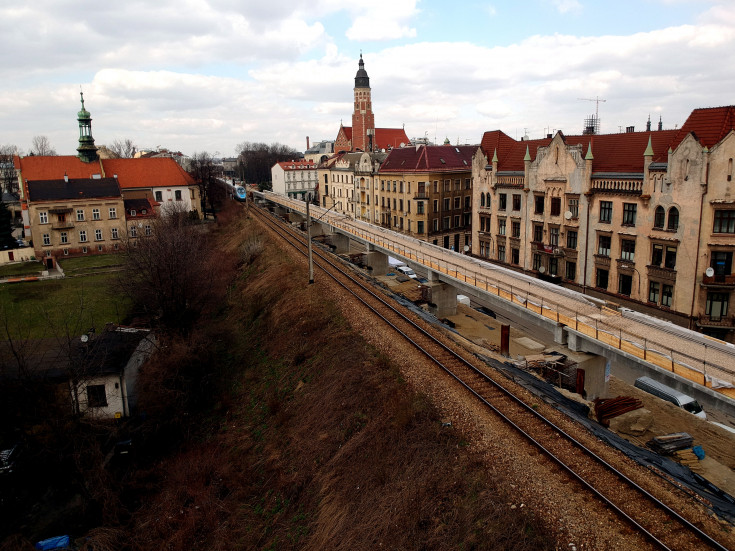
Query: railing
[
  {"x": 662, "y": 273},
  {"x": 510, "y": 181},
  {"x": 724, "y": 279},
  {"x": 626, "y": 187},
  {"x": 690, "y": 362},
  {"x": 62, "y": 225}
]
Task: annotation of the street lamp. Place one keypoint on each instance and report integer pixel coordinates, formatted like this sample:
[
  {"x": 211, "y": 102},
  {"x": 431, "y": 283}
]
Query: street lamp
[{"x": 631, "y": 267}]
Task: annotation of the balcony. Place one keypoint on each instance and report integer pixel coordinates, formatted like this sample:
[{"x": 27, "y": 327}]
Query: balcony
[
  {"x": 660, "y": 272},
  {"x": 547, "y": 249},
  {"x": 725, "y": 322},
  {"x": 421, "y": 195},
  {"x": 626, "y": 186},
  {"x": 723, "y": 281},
  {"x": 62, "y": 225},
  {"x": 601, "y": 260}
]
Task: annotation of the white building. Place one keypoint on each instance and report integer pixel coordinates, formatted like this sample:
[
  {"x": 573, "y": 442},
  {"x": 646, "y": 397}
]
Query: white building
[{"x": 294, "y": 178}]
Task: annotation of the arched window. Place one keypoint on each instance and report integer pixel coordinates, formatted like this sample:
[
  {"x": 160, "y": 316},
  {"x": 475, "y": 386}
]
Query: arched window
[
  {"x": 658, "y": 220},
  {"x": 487, "y": 200},
  {"x": 673, "y": 219},
  {"x": 482, "y": 199},
  {"x": 729, "y": 170}
]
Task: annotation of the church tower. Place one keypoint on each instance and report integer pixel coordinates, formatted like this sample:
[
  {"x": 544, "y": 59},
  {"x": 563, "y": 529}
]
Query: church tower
[
  {"x": 363, "y": 120},
  {"x": 87, "y": 150}
]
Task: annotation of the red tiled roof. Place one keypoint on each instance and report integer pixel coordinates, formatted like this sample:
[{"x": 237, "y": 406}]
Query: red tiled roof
[
  {"x": 385, "y": 138},
  {"x": 145, "y": 173},
  {"x": 618, "y": 152},
  {"x": 56, "y": 167},
  {"x": 709, "y": 125},
  {"x": 131, "y": 173},
  {"x": 297, "y": 165},
  {"x": 432, "y": 158}
]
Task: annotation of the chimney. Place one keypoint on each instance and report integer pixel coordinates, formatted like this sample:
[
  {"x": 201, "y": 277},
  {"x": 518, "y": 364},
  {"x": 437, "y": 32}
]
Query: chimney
[
  {"x": 307, "y": 143},
  {"x": 630, "y": 129}
]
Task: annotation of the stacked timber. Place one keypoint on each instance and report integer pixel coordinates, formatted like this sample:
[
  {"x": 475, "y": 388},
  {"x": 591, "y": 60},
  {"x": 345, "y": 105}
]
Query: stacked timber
[
  {"x": 608, "y": 408},
  {"x": 670, "y": 443}
]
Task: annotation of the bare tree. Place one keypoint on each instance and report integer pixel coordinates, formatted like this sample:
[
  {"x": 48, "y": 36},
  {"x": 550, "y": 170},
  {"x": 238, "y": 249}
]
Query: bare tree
[
  {"x": 8, "y": 176},
  {"x": 256, "y": 159},
  {"x": 40, "y": 145},
  {"x": 168, "y": 274},
  {"x": 206, "y": 174},
  {"x": 123, "y": 149}
]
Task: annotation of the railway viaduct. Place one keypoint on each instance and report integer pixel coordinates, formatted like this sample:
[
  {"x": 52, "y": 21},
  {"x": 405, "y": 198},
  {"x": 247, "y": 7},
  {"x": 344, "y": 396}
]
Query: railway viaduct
[{"x": 608, "y": 339}]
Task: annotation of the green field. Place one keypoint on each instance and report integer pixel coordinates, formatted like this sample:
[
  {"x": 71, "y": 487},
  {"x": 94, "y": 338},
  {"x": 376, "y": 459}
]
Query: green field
[
  {"x": 21, "y": 269},
  {"x": 91, "y": 263},
  {"x": 60, "y": 307}
]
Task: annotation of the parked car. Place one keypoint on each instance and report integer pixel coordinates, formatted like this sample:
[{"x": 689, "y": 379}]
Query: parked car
[
  {"x": 405, "y": 270},
  {"x": 679, "y": 399}
]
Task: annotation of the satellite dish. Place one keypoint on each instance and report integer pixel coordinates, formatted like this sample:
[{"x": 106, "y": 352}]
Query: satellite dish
[
  {"x": 541, "y": 269},
  {"x": 466, "y": 248},
  {"x": 568, "y": 215},
  {"x": 84, "y": 338},
  {"x": 709, "y": 272}
]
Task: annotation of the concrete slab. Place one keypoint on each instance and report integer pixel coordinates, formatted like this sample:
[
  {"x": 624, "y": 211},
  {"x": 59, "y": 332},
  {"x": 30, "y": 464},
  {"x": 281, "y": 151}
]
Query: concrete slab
[{"x": 531, "y": 344}]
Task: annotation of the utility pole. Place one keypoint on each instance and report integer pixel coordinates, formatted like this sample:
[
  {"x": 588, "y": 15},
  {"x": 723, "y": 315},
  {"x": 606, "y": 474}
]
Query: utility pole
[{"x": 308, "y": 238}]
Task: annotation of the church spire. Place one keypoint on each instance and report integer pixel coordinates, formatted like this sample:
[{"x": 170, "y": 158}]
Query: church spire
[{"x": 87, "y": 151}]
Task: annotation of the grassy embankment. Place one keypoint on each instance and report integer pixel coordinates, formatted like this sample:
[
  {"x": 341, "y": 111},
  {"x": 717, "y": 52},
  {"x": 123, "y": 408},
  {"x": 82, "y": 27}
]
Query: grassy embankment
[{"x": 316, "y": 442}]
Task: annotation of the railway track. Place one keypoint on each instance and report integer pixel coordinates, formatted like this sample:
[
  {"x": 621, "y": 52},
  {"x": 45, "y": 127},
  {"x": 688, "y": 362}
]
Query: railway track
[{"x": 663, "y": 527}]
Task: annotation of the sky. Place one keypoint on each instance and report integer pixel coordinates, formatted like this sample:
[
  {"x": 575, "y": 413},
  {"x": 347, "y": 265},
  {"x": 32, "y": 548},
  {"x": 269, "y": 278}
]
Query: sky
[{"x": 207, "y": 75}]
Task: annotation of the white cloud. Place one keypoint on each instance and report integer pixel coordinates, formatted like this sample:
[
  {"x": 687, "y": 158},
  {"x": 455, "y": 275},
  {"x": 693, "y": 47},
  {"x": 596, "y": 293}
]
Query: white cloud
[
  {"x": 383, "y": 20},
  {"x": 565, "y": 6}
]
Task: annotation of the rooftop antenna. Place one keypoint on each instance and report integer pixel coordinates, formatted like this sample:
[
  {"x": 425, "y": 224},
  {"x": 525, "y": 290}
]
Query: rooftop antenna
[{"x": 592, "y": 124}]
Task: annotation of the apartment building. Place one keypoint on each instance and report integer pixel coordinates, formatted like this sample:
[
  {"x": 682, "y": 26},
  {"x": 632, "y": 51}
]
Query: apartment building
[
  {"x": 426, "y": 191},
  {"x": 347, "y": 182},
  {"x": 642, "y": 216}
]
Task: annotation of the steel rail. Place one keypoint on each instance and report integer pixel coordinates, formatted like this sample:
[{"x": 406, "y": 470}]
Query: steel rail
[{"x": 485, "y": 378}]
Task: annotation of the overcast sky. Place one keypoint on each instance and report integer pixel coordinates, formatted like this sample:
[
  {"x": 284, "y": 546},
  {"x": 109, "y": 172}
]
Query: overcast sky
[{"x": 205, "y": 75}]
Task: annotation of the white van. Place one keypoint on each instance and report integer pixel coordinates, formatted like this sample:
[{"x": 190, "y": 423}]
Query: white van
[
  {"x": 405, "y": 270},
  {"x": 679, "y": 399}
]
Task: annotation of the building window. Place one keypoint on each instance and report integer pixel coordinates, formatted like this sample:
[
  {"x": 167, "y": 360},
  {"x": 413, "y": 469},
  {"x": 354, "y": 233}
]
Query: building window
[
  {"x": 515, "y": 256},
  {"x": 82, "y": 236},
  {"x": 98, "y": 235},
  {"x": 657, "y": 255},
  {"x": 96, "y": 397},
  {"x": 603, "y": 248},
  {"x": 177, "y": 195},
  {"x": 501, "y": 226},
  {"x": 420, "y": 227},
  {"x": 114, "y": 233},
  {"x": 538, "y": 204},
  {"x": 113, "y": 212},
  {"x": 629, "y": 211},
  {"x": 467, "y": 202},
  {"x": 501, "y": 253},
  {"x": 673, "y": 224},
  {"x": 456, "y": 221},
  {"x": 716, "y": 307},
  {"x": 602, "y": 276},
  {"x": 627, "y": 250},
  {"x": 667, "y": 292},
  {"x": 555, "y": 206},
  {"x": 659, "y": 218},
  {"x": 571, "y": 270},
  {"x": 724, "y": 221},
  {"x": 80, "y": 215},
  {"x": 538, "y": 233},
  {"x": 502, "y": 201},
  {"x": 721, "y": 263},
  {"x": 43, "y": 217},
  {"x": 84, "y": 250},
  {"x": 487, "y": 200},
  {"x": 625, "y": 284},
  {"x": 554, "y": 237},
  {"x": 46, "y": 239},
  {"x": 670, "y": 258},
  {"x": 99, "y": 248},
  {"x": 482, "y": 199},
  {"x": 133, "y": 231},
  {"x": 606, "y": 211},
  {"x": 64, "y": 237},
  {"x": 66, "y": 252},
  {"x": 571, "y": 239},
  {"x": 95, "y": 214},
  {"x": 654, "y": 288},
  {"x": 132, "y": 212},
  {"x": 536, "y": 261},
  {"x": 516, "y": 201},
  {"x": 419, "y": 207},
  {"x": 553, "y": 266},
  {"x": 574, "y": 207},
  {"x": 447, "y": 204},
  {"x": 515, "y": 229}
]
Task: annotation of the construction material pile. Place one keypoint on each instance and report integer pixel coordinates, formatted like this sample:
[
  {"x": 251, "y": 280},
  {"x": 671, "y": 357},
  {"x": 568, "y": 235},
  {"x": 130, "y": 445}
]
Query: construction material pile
[
  {"x": 670, "y": 443},
  {"x": 607, "y": 408}
]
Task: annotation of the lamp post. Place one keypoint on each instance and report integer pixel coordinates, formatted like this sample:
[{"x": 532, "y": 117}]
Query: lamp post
[{"x": 308, "y": 238}]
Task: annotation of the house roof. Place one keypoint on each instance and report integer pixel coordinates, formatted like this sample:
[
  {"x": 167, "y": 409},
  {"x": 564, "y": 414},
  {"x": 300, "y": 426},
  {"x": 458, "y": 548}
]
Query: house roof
[
  {"x": 297, "y": 165},
  {"x": 147, "y": 172},
  {"x": 385, "y": 138},
  {"x": 429, "y": 158},
  {"x": 618, "y": 153},
  {"x": 74, "y": 188},
  {"x": 139, "y": 205},
  {"x": 131, "y": 173}
]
